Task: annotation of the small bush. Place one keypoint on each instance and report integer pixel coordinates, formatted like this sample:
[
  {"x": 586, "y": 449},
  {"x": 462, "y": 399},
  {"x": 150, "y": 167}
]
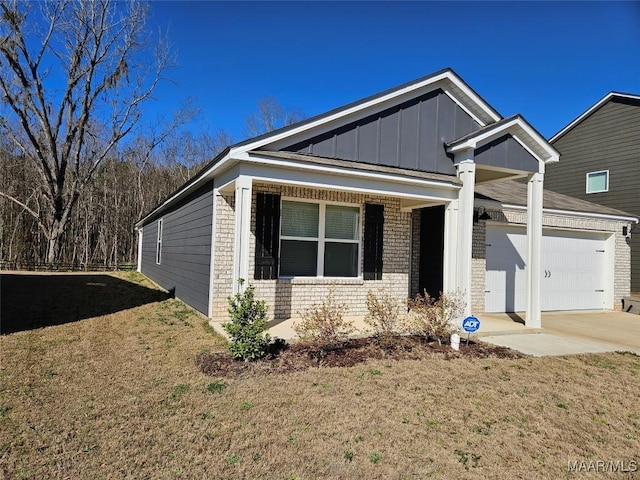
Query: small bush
[
  {"x": 248, "y": 325},
  {"x": 323, "y": 324},
  {"x": 383, "y": 314},
  {"x": 434, "y": 319}
]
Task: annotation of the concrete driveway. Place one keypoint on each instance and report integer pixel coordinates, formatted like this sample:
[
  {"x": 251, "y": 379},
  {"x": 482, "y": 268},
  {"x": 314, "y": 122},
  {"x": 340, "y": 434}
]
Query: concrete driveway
[{"x": 566, "y": 333}]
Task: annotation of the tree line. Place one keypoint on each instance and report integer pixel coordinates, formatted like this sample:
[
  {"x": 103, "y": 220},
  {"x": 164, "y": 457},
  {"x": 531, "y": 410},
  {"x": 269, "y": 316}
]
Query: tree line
[
  {"x": 78, "y": 167},
  {"x": 123, "y": 188}
]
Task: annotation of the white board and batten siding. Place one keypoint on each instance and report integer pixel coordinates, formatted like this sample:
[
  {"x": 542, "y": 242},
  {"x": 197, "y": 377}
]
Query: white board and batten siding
[{"x": 574, "y": 270}]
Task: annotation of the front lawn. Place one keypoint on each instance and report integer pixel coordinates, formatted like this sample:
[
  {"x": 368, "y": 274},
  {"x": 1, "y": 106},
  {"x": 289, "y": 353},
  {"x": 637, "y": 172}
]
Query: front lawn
[{"x": 121, "y": 396}]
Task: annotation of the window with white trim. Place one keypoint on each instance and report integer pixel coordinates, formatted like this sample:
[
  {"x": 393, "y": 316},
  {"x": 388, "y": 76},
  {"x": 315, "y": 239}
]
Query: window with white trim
[
  {"x": 598, "y": 181},
  {"x": 159, "y": 243},
  {"x": 319, "y": 239}
]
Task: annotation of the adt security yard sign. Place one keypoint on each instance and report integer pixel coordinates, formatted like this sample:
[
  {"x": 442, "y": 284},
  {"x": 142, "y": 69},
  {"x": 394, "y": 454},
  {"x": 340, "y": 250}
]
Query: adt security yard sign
[{"x": 471, "y": 324}]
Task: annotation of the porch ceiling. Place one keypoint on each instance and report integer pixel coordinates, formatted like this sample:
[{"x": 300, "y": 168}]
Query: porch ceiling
[{"x": 490, "y": 175}]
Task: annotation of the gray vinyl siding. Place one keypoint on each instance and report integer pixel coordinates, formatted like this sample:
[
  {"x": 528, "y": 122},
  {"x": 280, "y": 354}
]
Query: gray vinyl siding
[
  {"x": 411, "y": 135},
  {"x": 186, "y": 249},
  {"x": 506, "y": 152},
  {"x": 609, "y": 139}
]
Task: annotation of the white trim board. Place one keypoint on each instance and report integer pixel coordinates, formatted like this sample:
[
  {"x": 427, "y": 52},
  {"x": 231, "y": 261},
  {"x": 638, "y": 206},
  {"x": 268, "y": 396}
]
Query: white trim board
[{"x": 567, "y": 213}]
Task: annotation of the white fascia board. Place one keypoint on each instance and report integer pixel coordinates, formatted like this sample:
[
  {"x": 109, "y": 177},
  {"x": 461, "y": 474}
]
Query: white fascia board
[
  {"x": 595, "y": 107},
  {"x": 602, "y": 216},
  {"x": 188, "y": 187},
  {"x": 512, "y": 127},
  {"x": 439, "y": 81},
  {"x": 477, "y": 100},
  {"x": 460, "y": 86},
  {"x": 287, "y": 173},
  {"x": 449, "y": 94}
]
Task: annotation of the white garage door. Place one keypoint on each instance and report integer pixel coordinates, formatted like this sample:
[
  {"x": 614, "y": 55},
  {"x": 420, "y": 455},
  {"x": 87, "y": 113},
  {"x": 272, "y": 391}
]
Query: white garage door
[{"x": 573, "y": 270}]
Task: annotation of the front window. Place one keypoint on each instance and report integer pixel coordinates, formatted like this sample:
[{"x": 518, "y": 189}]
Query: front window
[
  {"x": 319, "y": 239},
  {"x": 598, "y": 181}
]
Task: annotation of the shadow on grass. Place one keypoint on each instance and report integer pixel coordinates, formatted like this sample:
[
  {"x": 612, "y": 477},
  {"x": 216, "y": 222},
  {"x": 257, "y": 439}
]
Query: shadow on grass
[{"x": 34, "y": 301}]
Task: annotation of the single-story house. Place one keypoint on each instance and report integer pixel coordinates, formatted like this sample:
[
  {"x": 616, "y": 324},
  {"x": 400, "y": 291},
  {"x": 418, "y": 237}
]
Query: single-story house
[{"x": 424, "y": 186}]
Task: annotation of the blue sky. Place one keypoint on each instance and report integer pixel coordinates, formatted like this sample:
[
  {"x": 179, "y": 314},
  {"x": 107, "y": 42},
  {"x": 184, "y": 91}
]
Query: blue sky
[{"x": 548, "y": 61}]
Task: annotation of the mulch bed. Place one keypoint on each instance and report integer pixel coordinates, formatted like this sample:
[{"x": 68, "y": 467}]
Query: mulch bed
[{"x": 298, "y": 357}]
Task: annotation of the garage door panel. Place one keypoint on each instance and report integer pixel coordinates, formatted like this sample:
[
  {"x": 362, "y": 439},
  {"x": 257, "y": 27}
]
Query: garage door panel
[{"x": 573, "y": 266}]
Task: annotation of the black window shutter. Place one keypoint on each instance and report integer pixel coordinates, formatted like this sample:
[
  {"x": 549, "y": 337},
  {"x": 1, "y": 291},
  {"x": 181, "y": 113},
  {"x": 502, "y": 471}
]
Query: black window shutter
[
  {"x": 267, "y": 236},
  {"x": 373, "y": 240}
]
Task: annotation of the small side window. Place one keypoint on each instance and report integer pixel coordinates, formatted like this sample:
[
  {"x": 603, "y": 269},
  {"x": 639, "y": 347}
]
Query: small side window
[
  {"x": 159, "y": 244},
  {"x": 598, "y": 181}
]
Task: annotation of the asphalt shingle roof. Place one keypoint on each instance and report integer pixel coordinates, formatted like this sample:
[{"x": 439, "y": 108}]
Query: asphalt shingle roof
[{"x": 515, "y": 193}]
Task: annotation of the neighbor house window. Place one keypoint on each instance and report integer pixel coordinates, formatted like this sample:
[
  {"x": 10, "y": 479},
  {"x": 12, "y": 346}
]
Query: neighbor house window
[
  {"x": 159, "y": 244},
  {"x": 319, "y": 239},
  {"x": 598, "y": 181}
]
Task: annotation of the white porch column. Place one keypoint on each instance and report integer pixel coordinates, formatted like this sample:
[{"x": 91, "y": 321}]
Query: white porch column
[
  {"x": 534, "y": 249},
  {"x": 242, "y": 232},
  {"x": 450, "y": 252},
  {"x": 467, "y": 174}
]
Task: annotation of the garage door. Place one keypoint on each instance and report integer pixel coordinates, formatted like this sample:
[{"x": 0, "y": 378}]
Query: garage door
[{"x": 573, "y": 264}]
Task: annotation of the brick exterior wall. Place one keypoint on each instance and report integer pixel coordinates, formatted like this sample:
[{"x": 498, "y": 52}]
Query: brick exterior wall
[
  {"x": 223, "y": 258},
  {"x": 621, "y": 268},
  {"x": 622, "y": 254},
  {"x": 286, "y": 298},
  {"x": 415, "y": 252},
  {"x": 478, "y": 266}
]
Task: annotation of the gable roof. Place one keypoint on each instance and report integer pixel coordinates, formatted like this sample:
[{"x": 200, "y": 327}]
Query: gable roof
[
  {"x": 462, "y": 93},
  {"x": 515, "y": 125},
  {"x": 608, "y": 97},
  {"x": 445, "y": 80}
]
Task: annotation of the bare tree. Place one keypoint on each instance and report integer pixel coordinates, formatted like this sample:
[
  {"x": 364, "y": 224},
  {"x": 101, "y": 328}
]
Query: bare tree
[
  {"x": 73, "y": 76},
  {"x": 270, "y": 116}
]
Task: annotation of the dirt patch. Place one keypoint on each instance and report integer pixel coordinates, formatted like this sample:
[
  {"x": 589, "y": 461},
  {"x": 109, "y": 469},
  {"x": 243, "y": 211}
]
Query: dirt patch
[{"x": 300, "y": 357}]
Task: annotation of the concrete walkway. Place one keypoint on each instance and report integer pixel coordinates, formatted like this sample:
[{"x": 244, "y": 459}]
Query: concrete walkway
[{"x": 565, "y": 333}]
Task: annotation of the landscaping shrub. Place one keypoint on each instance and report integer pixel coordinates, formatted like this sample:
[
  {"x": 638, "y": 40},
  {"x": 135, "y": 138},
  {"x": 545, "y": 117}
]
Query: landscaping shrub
[
  {"x": 435, "y": 319},
  {"x": 248, "y": 325},
  {"x": 383, "y": 314},
  {"x": 323, "y": 324}
]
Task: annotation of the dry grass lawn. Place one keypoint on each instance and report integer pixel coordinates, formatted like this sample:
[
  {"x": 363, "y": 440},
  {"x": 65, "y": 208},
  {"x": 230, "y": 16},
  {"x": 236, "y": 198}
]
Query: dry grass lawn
[{"x": 120, "y": 396}]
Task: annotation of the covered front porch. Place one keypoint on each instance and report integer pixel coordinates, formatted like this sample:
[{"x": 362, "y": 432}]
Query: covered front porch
[
  {"x": 252, "y": 242},
  {"x": 287, "y": 245}
]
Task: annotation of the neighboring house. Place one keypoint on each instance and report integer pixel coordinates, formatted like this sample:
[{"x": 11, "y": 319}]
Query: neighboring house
[
  {"x": 405, "y": 190},
  {"x": 601, "y": 161}
]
